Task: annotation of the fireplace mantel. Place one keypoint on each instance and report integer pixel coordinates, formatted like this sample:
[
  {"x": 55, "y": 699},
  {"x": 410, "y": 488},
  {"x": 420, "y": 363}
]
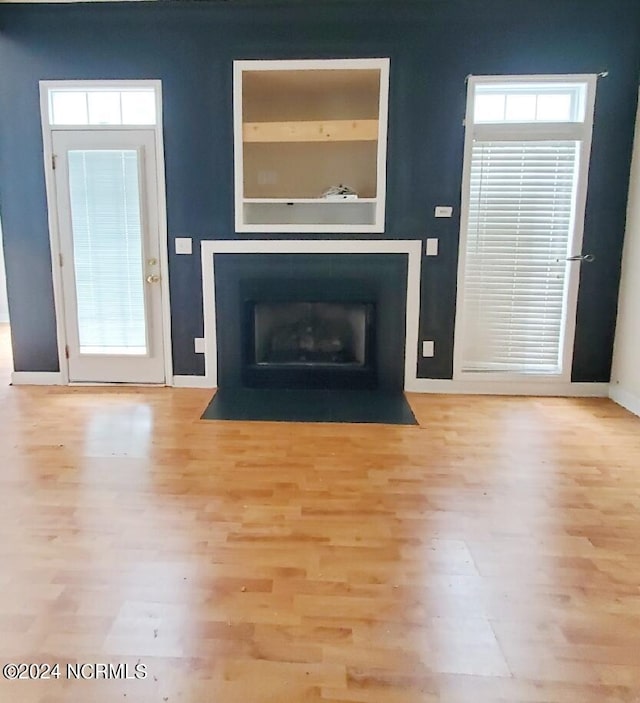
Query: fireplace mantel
[{"x": 412, "y": 248}]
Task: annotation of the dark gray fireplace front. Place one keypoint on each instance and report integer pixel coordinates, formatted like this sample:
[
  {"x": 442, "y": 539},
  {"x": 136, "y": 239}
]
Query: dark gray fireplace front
[{"x": 311, "y": 321}]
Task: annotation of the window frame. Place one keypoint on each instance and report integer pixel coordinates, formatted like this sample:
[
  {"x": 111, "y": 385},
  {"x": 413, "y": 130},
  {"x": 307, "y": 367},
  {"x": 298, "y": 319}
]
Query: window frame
[
  {"x": 576, "y": 88},
  {"x": 526, "y": 131},
  {"x": 47, "y": 87}
]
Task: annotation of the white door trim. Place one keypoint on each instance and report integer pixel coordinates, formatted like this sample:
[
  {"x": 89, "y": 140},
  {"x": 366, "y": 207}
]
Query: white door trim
[
  {"x": 413, "y": 248},
  {"x": 52, "y": 210}
]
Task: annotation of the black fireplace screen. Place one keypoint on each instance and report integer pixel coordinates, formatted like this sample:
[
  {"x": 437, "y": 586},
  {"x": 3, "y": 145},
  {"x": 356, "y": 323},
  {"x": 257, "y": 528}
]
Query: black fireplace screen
[{"x": 310, "y": 334}]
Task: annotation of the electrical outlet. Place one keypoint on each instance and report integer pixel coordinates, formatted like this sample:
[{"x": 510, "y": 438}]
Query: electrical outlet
[
  {"x": 184, "y": 245},
  {"x": 198, "y": 345},
  {"x": 428, "y": 348}
]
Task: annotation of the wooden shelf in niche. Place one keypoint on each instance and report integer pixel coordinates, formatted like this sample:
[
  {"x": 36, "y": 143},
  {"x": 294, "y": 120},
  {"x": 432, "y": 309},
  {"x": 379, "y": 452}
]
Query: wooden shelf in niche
[{"x": 311, "y": 131}]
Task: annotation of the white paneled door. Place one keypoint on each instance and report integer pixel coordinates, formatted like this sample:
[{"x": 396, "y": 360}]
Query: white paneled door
[{"x": 106, "y": 194}]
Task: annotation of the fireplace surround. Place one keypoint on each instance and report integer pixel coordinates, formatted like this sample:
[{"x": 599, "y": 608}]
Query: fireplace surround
[
  {"x": 309, "y": 307},
  {"x": 247, "y": 282}
]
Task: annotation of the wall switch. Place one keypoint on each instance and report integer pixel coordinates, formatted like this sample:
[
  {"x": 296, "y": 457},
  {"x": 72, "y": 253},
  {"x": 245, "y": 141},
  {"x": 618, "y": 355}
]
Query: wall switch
[
  {"x": 198, "y": 345},
  {"x": 183, "y": 245},
  {"x": 431, "y": 248},
  {"x": 427, "y": 348},
  {"x": 443, "y": 211}
]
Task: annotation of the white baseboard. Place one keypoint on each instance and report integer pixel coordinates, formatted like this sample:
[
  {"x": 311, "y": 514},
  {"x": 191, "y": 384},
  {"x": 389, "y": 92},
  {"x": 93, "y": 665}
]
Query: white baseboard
[
  {"x": 628, "y": 400},
  {"x": 192, "y": 382},
  {"x": 422, "y": 385},
  {"x": 37, "y": 378},
  {"x": 575, "y": 390},
  {"x": 114, "y": 384}
]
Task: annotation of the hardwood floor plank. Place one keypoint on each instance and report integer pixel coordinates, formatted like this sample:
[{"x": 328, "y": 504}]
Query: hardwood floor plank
[{"x": 489, "y": 555}]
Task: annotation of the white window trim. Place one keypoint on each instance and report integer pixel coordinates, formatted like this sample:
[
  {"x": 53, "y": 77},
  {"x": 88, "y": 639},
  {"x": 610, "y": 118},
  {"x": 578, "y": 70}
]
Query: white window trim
[
  {"x": 517, "y": 131},
  {"x": 52, "y": 214}
]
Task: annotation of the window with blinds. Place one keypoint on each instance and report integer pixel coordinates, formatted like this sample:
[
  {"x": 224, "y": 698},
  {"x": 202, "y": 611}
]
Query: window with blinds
[{"x": 520, "y": 213}]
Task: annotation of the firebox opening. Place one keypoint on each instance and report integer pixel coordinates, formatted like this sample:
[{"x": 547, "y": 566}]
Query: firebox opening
[{"x": 312, "y": 334}]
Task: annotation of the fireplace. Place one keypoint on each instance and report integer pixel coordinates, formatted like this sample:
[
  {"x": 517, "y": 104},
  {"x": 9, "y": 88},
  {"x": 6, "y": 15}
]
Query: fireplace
[
  {"x": 310, "y": 344},
  {"x": 319, "y": 321}
]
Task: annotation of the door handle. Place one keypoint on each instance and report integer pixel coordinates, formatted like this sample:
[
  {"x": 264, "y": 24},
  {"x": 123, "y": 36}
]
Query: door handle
[
  {"x": 153, "y": 278},
  {"x": 587, "y": 258}
]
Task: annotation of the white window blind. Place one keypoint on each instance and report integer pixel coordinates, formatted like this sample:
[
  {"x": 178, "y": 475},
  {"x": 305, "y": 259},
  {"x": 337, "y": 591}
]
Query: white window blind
[
  {"x": 107, "y": 251},
  {"x": 520, "y": 219}
]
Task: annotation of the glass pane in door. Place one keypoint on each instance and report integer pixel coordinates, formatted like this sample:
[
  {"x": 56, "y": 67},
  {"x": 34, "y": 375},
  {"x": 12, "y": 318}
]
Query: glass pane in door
[{"x": 107, "y": 251}]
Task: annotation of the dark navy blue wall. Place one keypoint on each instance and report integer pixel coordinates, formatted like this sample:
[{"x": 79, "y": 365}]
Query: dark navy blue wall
[{"x": 433, "y": 46}]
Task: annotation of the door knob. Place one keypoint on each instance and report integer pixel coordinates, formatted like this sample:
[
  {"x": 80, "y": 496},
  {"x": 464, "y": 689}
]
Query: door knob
[
  {"x": 587, "y": 258},
  {"x": 153, "y": 278}
]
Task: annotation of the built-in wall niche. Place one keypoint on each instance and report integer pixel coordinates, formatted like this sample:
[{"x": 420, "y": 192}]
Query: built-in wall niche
[{"x": 310, "y": 145}]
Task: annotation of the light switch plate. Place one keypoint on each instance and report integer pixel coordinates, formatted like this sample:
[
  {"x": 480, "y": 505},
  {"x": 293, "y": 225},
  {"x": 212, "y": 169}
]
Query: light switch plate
[
  {"x": 428, "y": 348},
  {"x": 443, "y": 211},
  {"x": 198, "y": 345},
  {"x": 183, "y": 245},
  {"x": 431, "y": 248}
]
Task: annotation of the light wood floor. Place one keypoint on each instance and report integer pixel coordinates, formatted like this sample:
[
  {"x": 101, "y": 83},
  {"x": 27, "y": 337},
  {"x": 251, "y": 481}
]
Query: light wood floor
[{"x": 491, "y": 554}]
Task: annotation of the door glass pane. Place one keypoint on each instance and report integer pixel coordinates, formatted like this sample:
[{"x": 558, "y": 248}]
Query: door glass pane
[
  {"x": 68, "y": 107},
  {"x": 521, "y": 108},
  {"x": 107, "y": 251},
  {"x": 554, "y": 107},
  {"x": 138, "y": 107},
  {"x": 489, "y": 108},
  {"x": 521, "y": 212},
  {"x": 104, "y": 107}
]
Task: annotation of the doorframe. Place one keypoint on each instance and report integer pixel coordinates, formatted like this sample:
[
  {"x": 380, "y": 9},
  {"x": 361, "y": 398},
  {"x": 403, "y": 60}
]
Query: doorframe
[
  {"x": 583, "y": 133},
  {"x": 52, "y": 206}
]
